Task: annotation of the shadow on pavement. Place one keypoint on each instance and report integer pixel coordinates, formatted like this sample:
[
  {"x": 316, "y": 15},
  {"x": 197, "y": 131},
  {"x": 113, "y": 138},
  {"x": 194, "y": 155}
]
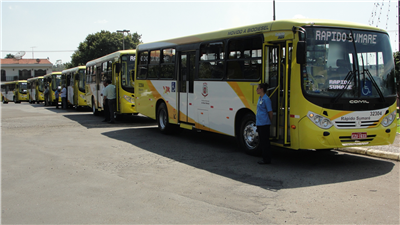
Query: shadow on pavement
[{"x": 220, "y": 155}]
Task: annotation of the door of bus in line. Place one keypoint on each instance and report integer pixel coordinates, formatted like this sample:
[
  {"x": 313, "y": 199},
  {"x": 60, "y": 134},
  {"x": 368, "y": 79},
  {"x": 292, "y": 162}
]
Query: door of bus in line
[
  {"x": 186, "y": 85},
  {"x": 277, "y": 75}
]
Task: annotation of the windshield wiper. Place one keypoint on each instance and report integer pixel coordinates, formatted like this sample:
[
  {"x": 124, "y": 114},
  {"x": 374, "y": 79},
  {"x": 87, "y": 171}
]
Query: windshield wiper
[{"x": 366, "y": 71}]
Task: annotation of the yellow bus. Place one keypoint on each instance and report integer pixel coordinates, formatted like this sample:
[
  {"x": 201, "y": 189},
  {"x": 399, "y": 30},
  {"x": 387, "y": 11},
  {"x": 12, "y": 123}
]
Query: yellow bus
[
  {"x": 15, "y": 91},
  {"x": 36, "y": 89},
  {"x": 74, "y": 79},
  {"x": 53, "y": 82},
  {"x": 331, "y": 83},
  {"x": 119, "y": 67}
]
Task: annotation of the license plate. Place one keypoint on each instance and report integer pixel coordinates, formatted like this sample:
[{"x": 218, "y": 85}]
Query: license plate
[{"x": 360, "y": 135}]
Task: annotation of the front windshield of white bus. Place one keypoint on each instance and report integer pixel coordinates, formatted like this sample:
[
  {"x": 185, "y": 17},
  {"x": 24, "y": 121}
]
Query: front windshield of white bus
[
  {"x": 348, "y": 64},
  {"x": 128, "y": 72}
]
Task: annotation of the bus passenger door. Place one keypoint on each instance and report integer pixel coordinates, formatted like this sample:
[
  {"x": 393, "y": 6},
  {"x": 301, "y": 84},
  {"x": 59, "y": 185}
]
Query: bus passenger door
[
  {"x": 75, "y": 88},
  {"x": 185, "y": 86},
  {"x": 277, "y": 74}
]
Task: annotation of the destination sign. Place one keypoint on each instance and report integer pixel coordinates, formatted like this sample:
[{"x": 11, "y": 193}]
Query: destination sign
[{"x": 363, "y": 38}]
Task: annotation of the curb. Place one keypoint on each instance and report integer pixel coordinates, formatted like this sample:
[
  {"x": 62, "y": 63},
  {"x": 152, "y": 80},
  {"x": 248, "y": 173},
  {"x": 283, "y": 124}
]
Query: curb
[{"x": 372, "y": 152}]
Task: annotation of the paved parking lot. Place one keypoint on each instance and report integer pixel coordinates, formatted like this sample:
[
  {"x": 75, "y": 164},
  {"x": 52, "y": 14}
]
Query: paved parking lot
[{"x": 66, "y": 167}]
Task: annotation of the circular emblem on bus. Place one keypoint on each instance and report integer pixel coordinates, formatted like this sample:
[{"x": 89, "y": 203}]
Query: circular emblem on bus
[{"x": 205, "y": 90}]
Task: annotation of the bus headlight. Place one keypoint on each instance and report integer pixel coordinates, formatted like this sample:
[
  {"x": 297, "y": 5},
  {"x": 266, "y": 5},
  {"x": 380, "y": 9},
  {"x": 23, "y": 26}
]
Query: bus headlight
[
  {"x": 319, "y": 120},
  {"x": 129, "y": 99},
  {"x": 389, "y": 119}
]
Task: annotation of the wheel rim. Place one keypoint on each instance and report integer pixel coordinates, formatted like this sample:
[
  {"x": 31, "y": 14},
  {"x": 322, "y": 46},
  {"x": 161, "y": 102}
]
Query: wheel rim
[
  {"x": 162, "y": 119},
  {"x": 93, "y": 108},
  {"x": 250, "y": 135}
]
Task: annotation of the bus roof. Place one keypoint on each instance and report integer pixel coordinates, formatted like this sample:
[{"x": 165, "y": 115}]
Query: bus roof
[
  {"x": 73, "y": 70},
  {"x": 53, "y": 73},
  {"x": 111, "y": 56},
  {"x": 34, "y": 78},
  {"x": 278, "y": 25},
  {"x": 14, "y": 82}
]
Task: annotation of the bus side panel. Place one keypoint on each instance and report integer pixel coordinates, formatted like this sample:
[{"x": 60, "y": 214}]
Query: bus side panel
[
  {"x": 10, "y": 96},
  {"x": 218, "y": 102},
  {"x": 149, "y": 92},
  {"x": 32, "y": 94},
  {"x": 70, "y": 97},
  {"x": 166, "y": 91}
]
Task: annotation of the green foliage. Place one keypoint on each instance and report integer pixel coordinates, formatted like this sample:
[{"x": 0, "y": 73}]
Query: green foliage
[
  {"x": 396, "y": 57},
  {"x": 103, "y": 43},
  {"x": 9, "y": 56}
]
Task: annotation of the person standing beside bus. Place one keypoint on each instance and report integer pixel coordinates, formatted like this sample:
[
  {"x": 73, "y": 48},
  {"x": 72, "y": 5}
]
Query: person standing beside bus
[
  {"x": 110, "y": 95},
  {"x": 46, "y": 96},
  {"x": 263, "y": 122},
  {"x": 64, "y": 97},
  {"x": 57, "y": 94},
  {"x": 105, "y": 104}
]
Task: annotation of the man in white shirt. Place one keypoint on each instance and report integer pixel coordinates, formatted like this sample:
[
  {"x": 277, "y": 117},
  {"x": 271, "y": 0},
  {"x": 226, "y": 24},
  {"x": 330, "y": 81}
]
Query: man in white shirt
[
  {"x": 110, "y": 95},
  {"x": 64, "y": 97}
]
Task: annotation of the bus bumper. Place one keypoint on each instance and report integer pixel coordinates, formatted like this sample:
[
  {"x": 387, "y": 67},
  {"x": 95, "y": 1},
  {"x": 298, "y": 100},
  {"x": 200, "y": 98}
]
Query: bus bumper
[{"x": 313, "y": 137}]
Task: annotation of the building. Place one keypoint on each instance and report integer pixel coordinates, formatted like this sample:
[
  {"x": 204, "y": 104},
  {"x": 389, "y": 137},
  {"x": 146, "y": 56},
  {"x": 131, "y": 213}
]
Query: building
[{"x": 23, "y": 69}]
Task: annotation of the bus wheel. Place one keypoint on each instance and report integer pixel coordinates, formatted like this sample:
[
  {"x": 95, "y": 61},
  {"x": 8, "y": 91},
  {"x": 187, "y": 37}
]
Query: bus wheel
[
  {"x": 248, "y": 136},
  {"x": 162, "y": 119}
]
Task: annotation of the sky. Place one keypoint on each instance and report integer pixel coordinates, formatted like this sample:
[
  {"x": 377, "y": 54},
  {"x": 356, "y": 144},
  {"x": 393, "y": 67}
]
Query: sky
[{"x": 54, "y": 29}]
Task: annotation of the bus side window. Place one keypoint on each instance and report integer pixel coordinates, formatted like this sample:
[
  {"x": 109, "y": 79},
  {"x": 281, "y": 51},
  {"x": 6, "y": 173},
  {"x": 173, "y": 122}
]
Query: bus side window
[
  {"x": 212, "y": 60},
  {"x": 143, "y": 65}
]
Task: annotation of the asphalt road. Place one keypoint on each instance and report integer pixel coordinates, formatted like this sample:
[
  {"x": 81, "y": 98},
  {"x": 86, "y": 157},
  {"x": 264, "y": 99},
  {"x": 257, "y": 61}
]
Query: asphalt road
[{"x": 67, "y": 167}]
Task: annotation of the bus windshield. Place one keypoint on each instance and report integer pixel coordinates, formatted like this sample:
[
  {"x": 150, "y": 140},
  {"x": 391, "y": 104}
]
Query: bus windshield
[
  {"x": 40, "y": 84},
  {"x": 345, "y": 63},
  {"x": 56, "y": 82},
  {"x": 81, "y": 83},
  {"x": 23, "y": 87},
  {"x": 128, "y": 72}
]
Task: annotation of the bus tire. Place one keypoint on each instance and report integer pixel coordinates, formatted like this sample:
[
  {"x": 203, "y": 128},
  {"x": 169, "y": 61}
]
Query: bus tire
[
  {"x": 162, "y": 119},
  {"x": 248, "y": 136}
]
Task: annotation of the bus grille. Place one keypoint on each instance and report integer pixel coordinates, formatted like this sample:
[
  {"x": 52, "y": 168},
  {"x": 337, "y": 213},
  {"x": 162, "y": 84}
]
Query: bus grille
[{"x": 356, "y": 124}]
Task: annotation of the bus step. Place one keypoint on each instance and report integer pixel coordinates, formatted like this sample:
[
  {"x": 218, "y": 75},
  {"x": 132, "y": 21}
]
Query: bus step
[{"x": 186, "y": 126}]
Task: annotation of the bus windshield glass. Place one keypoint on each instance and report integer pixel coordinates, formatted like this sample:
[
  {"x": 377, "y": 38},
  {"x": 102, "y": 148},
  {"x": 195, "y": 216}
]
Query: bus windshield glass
[
  {"x": 81, "y": 83},
  {"x": 128, "y": 71},
  {"x": 23, "y": 87},
  {"x": 40, "y": 84},
  {"x": 345, "y": 63},
  {"x": 56, "y": 82}
]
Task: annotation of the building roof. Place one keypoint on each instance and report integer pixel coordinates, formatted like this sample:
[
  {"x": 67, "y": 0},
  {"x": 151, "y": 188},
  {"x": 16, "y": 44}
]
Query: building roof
[{"x": 25, "y": 61}]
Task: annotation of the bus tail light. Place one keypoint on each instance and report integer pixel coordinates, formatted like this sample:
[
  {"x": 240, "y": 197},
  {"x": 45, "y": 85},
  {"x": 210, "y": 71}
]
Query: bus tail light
[
  {"x": 293, "y": 127},
  {"x": 319, "y": 120}
]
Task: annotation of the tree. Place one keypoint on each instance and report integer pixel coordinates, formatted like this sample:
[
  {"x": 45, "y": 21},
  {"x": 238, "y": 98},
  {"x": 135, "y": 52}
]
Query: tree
[
  {"x": 10, "y": 56},
  {"x": 103, "y": 43},
  {"x": 396, "y": 57}
]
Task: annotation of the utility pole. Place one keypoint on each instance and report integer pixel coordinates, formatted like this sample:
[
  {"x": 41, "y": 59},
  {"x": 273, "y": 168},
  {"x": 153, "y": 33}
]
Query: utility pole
[
  {"x": 123, "y": 34},
  {"x": 35, "y": 47},
  {"x": 273, "y": 8}
]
